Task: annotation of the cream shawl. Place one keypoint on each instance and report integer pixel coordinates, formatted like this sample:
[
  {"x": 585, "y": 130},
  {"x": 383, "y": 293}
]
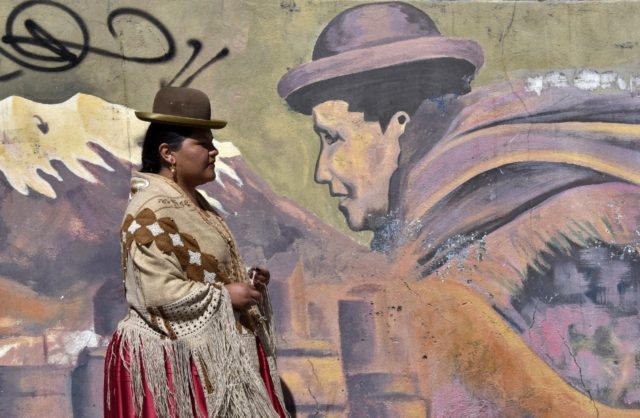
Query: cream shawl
[{"x": 176, "y": 258}]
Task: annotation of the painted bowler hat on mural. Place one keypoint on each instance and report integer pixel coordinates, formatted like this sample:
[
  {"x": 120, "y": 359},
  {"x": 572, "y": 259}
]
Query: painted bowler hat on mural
[
  {"x": 182, "y": 106},
  {"x": 371, "y": 38}
]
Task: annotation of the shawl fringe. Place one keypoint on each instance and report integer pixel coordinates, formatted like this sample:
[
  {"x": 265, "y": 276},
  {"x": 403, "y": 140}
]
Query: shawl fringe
[{"x": 235, "y": 390}]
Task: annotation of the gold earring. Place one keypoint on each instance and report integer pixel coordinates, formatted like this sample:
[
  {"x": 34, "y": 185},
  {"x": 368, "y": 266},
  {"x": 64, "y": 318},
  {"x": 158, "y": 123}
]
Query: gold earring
[{"x": 173, "y": 168}]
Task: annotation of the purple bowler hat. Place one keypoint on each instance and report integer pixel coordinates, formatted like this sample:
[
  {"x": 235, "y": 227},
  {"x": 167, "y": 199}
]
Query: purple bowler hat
[{"x": 378, "y": 41}]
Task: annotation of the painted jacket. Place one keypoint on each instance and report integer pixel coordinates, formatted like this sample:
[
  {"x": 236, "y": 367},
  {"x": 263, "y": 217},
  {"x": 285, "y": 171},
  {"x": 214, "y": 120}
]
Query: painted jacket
[
  {"x": 176, "y": 258},
  {"x": 517, "y": 214}
]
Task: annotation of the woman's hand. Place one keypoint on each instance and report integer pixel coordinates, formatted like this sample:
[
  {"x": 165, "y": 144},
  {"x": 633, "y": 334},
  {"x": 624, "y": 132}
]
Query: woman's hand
[
  {"x": 260, "y": 276},
  {"x": 243, "y": 295}
]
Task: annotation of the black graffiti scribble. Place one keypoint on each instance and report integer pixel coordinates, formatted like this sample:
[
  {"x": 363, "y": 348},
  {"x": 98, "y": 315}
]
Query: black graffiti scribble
[
  {"x": 196, "y": 45},
  {"x": 65, "y": 55},
  {"x": 11, "y": 75},
  {"x": 42, "y": 125},
  {"x": 56, "y": 55},
  {"x": 223, "y": 53}
]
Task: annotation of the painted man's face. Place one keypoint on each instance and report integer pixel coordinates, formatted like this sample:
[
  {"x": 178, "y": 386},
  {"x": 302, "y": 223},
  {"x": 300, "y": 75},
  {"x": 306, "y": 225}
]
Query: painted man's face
[{"x": 356, "y": 160}]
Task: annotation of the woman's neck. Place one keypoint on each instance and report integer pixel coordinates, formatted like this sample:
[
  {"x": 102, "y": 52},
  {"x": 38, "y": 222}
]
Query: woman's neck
[{"x": 190, "y": 191}]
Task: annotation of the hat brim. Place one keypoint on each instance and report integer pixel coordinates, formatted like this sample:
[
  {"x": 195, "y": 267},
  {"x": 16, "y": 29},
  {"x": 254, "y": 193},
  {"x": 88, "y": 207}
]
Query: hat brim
[
  {"x": 379, "y": 57},
  {"x": 181, "y": 120}
]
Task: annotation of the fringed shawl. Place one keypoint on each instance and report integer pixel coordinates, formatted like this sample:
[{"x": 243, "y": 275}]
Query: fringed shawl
[{"x": 176, "y": 258}]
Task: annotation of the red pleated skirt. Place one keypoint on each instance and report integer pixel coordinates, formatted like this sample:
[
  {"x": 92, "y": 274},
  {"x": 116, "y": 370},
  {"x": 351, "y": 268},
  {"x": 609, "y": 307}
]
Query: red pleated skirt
[{"x": 118, "y": 398}]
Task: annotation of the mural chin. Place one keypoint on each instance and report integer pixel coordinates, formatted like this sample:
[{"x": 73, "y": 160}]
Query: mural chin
[
  {"x": 355, "y": 216},
  {"x": 359, "y": 217}
]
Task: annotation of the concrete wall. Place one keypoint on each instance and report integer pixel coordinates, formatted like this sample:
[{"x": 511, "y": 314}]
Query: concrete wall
[{"x": 483, "y": 260}]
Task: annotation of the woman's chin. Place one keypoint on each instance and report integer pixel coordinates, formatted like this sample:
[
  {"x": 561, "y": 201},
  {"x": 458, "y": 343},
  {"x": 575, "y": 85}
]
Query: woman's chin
[{"x": 210, "y": 176}]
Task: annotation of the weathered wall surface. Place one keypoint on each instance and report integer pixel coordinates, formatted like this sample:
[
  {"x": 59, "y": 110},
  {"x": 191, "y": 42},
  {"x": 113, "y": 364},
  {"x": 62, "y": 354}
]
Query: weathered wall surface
[{"x": 488, "y": 265}]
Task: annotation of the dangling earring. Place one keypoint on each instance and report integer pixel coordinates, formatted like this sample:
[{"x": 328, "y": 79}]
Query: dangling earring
[{"x": 173, "y": 172}]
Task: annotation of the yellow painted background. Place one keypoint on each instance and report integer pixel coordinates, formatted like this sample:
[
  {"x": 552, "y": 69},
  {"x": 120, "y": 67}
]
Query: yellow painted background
[{"x": 266, "y": 37}]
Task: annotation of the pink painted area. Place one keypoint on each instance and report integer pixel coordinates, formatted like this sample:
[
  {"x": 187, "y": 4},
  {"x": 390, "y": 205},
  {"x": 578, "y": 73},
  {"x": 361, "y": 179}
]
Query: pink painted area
[
  {"x": 453, "y": 400},
  {"x": 587, "y": 365},
  {"x": 550, "y": 330},
  {"x": 595, "y": 370},
  {"x": 632, "y": 396}
]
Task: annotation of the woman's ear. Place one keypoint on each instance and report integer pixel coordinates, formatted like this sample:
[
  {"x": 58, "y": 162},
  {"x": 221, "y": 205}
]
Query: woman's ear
[
  {"x": 397, "y": 124},
  {"x": 166, "y": 154}
]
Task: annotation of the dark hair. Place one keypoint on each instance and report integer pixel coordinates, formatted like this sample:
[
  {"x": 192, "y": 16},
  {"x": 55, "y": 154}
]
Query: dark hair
[
  {"x": 160, "y": 134},
  {"x": 379, "y": 94}
]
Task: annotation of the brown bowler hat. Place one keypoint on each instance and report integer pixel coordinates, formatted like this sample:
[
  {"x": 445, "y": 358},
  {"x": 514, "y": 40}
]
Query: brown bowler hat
[{"x": 182, "y": 106}]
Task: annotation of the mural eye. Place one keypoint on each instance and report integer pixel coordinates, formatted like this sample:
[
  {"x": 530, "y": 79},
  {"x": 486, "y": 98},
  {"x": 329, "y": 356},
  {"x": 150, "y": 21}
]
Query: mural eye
[{"x": 329, "y": 138}]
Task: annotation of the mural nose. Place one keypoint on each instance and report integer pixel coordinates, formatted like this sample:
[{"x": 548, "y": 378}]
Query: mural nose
[{"x": 322, "y": 173}]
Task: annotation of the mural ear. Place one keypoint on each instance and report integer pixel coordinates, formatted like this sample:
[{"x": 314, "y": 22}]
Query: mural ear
[{"x": 398, "y": 124}]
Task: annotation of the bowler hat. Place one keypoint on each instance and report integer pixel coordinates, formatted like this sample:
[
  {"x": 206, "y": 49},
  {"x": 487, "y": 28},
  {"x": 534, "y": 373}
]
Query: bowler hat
[
  {"x": 182, "y": 106},
  {"x": 378, "y": 41}
]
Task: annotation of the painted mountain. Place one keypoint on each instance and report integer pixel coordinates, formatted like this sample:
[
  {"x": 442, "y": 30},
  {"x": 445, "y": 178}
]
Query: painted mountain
[{"x": 65, "y": 184}]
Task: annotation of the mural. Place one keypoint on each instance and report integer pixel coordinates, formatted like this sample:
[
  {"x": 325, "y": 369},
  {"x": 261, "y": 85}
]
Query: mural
[
  {"x": 483, "y": 257},
  {"x": 522, "y": 193}
]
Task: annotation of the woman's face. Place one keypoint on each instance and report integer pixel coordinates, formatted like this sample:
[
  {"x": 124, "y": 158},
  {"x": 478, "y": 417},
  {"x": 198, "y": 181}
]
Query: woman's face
[{"x": 195, "y": 159}]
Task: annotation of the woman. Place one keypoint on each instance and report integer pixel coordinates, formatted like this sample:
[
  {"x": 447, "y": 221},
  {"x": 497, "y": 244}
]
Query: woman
[{"x": 197, "y": 340}]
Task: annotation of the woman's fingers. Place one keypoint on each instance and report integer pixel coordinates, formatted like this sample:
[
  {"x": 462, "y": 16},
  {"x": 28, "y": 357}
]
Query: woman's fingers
[
  {"x": 243, "y": 295},
  {"x": 259, "y": 281},
  {"x": 264, "y": 272},
  {"x": 254, "y": 294},
  {"x": 260, "y": 276}
]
